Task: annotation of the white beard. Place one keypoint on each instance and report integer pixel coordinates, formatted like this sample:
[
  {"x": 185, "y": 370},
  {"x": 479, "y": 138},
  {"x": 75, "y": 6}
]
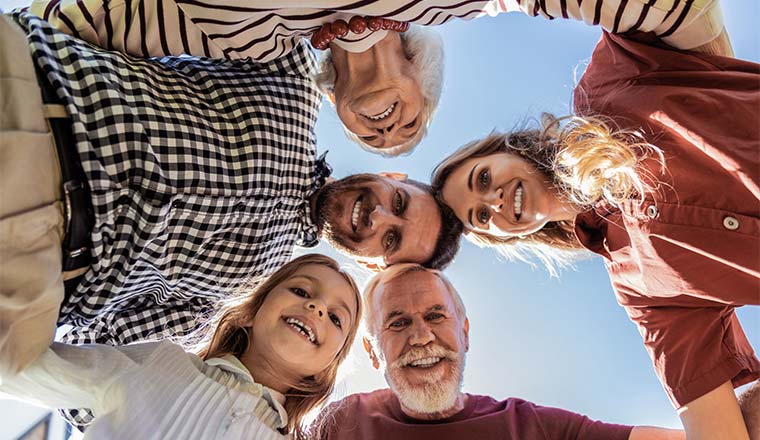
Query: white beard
[{"x": 438, "y": 394}]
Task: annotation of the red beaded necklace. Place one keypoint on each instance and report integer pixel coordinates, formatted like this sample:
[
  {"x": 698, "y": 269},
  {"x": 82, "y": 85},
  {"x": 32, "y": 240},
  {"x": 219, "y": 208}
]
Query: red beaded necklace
[{"x": 322, "y": 37}]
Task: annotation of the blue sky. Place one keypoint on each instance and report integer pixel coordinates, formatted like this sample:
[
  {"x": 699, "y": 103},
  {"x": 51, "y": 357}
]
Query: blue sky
[{"x": 557, "y": 342}]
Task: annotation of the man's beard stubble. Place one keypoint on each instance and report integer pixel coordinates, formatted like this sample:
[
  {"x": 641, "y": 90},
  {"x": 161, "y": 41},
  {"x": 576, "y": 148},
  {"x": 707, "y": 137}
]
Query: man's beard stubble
[{"x": 331, "y": 205}]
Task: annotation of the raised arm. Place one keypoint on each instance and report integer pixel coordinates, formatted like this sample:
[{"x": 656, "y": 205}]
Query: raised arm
[
  {"x": 140, "y": 28},
  {"x": 143, "y": 321},
  {"x": 698, "y": 369},
  {"x": 714, "y": 416},
  {"x": 653, "y": 433},
  {"x": 749, "y": 402},
  {"x": 67, "y": 375},
  {"x": 683, "y": 25}
]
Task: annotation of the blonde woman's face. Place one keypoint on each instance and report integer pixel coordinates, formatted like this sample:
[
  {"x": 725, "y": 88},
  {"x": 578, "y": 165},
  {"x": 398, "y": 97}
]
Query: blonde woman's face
[
  {"x": 304, "y": 321},
  {"x": 502, "y": 195}
]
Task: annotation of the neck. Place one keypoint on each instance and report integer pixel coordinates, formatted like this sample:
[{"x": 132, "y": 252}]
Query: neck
[
  {"x": 563, "y": 209},
  {"x": 266, "y": 373},
  {"x": 458, "y": 406},
  {"x": 566, "y": 212}
]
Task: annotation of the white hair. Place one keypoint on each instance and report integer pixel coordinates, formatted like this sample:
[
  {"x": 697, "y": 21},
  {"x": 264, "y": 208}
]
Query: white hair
[
  {"x": 424, "y": 48},
  {"x": 394, "y": 272}
]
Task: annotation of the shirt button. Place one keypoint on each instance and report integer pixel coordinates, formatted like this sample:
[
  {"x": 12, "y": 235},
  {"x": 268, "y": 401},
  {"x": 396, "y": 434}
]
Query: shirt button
[
  {"x": 652, "y": 211},
  {"x": 730, "y": 223}
]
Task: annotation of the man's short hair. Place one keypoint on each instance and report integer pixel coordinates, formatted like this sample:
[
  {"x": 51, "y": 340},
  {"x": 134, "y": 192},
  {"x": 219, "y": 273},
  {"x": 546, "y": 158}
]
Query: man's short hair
[
  {"x": 424, "y": 48},
  {"x": 449, "y": 237},
  {"x": 390, "y": 274}
]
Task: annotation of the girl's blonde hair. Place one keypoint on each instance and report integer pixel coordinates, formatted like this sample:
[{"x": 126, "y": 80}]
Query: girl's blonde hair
[
  {"x": 588, "y": 159},
  {"x": 230, "y": 337}
]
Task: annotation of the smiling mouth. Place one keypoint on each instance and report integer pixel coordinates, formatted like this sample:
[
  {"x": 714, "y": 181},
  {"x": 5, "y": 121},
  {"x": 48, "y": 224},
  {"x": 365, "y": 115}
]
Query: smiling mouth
[
  {"x": 517, "y": 203},
  {"x": 427, "y": 362},
  {"x": 302, "y": 328},
  {"x": 382, "y": 115},
  {"x": 356, "y": 213}
]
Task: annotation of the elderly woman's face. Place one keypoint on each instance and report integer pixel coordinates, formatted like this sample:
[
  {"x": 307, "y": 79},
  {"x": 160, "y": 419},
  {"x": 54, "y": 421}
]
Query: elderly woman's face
[
  {"x": 377, "y": 95},
  {"x": 503, "y": 195}
]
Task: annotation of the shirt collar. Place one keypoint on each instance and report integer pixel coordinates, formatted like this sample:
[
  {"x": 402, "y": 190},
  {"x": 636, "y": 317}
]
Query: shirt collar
[
  {"x": 232, "y": 364},
  {"x": 591, "y": 230}
]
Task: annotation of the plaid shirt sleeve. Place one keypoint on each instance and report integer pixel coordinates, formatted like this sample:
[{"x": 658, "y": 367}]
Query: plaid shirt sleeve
[{"x": 139, "y": 321}]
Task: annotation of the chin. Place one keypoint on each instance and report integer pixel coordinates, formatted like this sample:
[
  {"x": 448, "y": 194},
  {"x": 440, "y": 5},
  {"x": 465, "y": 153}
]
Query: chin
[{"x": 436, "y": 395}]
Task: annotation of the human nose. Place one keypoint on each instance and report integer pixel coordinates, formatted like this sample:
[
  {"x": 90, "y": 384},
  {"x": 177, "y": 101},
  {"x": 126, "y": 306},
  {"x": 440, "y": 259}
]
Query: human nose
[
  {"x": 421, "y": 334},
  {"x": 390, "y": 129},
  {"x": 495, "y": 199},
  {"x": 379, "y": 216},
  {"x": 316, "y": 307}
]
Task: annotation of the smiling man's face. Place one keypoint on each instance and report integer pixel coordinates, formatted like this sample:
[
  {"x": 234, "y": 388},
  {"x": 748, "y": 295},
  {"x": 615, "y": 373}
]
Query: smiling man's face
[
  {"x": 379, "y": 217},
  {"x": 422, "y": 338}
]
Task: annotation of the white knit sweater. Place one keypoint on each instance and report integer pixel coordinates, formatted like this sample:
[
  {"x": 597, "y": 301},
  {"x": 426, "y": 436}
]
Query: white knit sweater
[{"x": 152, "y": 390}]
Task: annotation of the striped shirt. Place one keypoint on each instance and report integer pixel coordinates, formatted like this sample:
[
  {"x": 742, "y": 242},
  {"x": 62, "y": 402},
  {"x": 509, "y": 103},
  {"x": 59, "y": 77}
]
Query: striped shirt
[
  {"x": 267, "y": 29},
  {"x": 152, "y": 391},
  {"x": 200, "y": 172}
]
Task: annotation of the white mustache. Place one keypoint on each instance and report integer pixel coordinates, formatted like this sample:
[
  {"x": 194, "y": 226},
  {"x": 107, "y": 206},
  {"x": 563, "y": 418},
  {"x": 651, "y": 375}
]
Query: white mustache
[{"x": 422, "y": 353}]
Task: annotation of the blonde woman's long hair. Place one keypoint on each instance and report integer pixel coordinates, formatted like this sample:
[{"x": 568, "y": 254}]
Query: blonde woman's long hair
[
  {"x": 588, "y": 159},
  {"x": 229, "y": 337}
]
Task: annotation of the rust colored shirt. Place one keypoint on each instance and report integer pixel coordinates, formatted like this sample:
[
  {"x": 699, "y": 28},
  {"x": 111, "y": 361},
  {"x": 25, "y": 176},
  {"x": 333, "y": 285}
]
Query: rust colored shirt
[
  {"x": 378, "y": 415},
  {"x": 681, "y": 262}
]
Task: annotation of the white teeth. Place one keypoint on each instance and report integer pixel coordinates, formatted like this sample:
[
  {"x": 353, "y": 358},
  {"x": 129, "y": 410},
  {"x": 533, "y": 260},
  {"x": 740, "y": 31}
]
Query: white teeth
[
  {"x": 518, "y": 200},
  {"x": 355, "y": 213},
  {"x": 302, "y": 329},
  {"x": 426, "y": 362},
  {"x": 384, "y": 114}
]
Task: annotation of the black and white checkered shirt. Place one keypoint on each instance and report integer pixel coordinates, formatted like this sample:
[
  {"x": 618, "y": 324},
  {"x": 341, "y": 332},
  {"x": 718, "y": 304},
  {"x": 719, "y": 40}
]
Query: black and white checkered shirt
[{"x": 200, "y": 172}]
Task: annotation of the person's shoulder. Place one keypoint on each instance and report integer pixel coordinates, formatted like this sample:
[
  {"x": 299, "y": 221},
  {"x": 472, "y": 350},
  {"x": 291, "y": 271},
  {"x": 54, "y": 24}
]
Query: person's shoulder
[
  {"x": 357, "y": 404},
  {"x": 358, "y": 400},
  {"x": 489, "y": 400},
  {"x": 488, "y": 403},
  {"x": 352, "y": 407}
]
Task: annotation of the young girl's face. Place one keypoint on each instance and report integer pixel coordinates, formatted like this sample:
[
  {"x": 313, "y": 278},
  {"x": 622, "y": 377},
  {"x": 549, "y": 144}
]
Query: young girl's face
[{"x": 304, "y": 321}]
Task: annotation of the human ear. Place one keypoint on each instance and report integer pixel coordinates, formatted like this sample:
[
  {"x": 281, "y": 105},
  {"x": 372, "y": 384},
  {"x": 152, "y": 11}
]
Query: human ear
[
  {"x": 466, "y": 329},
  {"x": 395, "y": 176},
  {"x": 371, "y": 265},
  {"x": 371, "y": 352}
]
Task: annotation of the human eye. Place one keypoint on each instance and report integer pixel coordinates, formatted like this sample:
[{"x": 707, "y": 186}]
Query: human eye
[
  {"x": 398, "y": 203},
  {"x": 483, "y": 216},
  {"x": 335, "y": 320},
  {"x": 368, "y": 138},
  {"x": 300, "y": 292},
  {"x": 434, "y": 316},
  {"x": 399, "y": 323},
  {"x": 389, "y": 240},
  {"x": 411, "y": 124},
  {"x": 484, "y": 178}
]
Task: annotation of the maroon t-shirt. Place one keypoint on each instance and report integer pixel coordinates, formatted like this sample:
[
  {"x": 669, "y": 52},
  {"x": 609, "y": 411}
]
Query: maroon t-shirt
[{"x": 378, "y": 415}]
